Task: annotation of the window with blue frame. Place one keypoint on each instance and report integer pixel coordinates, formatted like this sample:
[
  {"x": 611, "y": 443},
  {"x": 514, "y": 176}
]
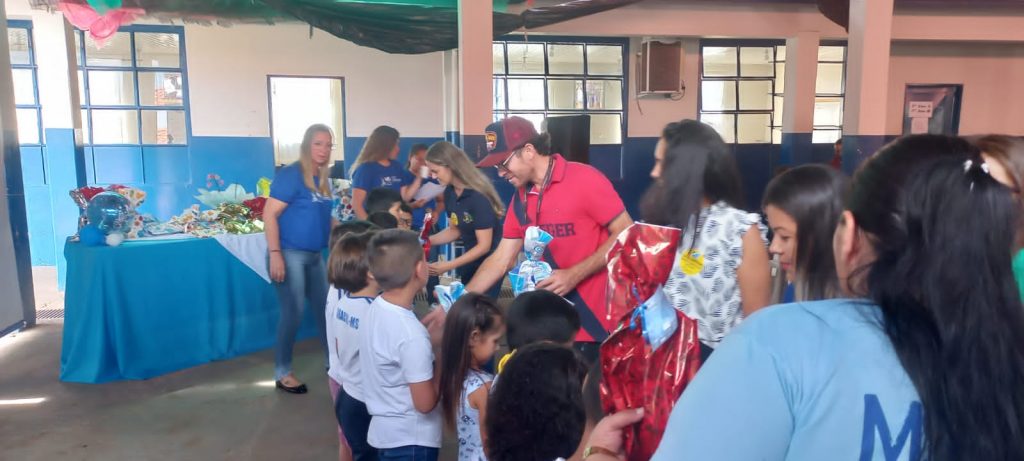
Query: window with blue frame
[
  {"x": 133, "y": 89},
  {"x": 26, "y": 86},
  {"x": 556, "y": 77}
]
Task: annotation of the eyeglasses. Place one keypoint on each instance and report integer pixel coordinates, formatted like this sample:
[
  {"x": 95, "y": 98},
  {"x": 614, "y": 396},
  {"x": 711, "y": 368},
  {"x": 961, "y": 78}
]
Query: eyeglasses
[{"x": 503, "y": 166}]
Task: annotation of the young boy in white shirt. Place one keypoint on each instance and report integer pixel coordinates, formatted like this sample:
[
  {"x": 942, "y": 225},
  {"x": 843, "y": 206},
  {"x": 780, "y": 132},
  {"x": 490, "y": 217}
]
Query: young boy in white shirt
[{"x": 400, "y": 375}]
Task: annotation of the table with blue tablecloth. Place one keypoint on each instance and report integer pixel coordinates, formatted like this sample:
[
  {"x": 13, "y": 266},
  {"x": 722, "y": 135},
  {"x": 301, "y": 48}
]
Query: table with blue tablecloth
[{"x": 147, "y": 308}]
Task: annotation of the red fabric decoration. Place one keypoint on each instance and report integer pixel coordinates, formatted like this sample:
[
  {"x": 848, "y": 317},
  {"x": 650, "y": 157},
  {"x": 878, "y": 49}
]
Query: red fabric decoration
[
  {"x": 634, "y": 375},
  {"x": 255, "y": 206},
  {"x": 100, "y": 27},
  {"x": 90, "y": 192}
]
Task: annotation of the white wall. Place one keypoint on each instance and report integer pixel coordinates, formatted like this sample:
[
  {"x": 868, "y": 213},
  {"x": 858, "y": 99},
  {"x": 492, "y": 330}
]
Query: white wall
[
  {"x": 650, "y": 116},
  {"x": 991, "y": 73},
  {"x": 228, "y": 68}
]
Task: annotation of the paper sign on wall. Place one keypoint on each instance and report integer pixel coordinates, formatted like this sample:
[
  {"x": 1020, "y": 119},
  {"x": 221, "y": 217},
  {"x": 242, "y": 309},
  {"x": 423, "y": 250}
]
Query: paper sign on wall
[{"x": 920, "y": 109}]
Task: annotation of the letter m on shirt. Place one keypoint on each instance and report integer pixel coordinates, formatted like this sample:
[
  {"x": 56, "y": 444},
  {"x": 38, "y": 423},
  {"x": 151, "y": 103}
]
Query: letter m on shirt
[{"x": 876, "y": 427}]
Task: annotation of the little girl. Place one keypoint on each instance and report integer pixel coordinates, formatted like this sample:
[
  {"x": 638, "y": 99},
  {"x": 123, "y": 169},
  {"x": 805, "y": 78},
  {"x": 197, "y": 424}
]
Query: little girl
[
  {"x": 471, "y": 333},
  {"x": 352, "y": 291}
]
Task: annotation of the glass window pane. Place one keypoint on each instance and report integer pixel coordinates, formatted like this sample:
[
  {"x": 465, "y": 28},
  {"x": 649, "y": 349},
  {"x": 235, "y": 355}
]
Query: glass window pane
[
  {"x": 828, "y": 111},
  {"x": 536, "y": 118},
  {"x": 565, "y": 59},
  {"x": 780, "y": 53},
  {"x": 160, "y": 89},
  {"x": 525, "y": 58},
  {"x": 604, "y": 94},
  {"x": 81, "y": 88},
  {"x": 499, "y": 94},
  {"x": 718, "y": 95},
  {"x": 24, "y": 89},
  {"x": 28, "y": 126},
  {"x": 831, "y": 53},
  {"x": 776, "y": 135},
  {"x": 825, "y": 136},
  {"x": 115, "y": 126},
  {"x": 525, "y": 94},
  {"x": 724, "y": 124},
  {"x": 17, "y": 40},
  {"x": 757, "y": 61},
  {"x": 719, "y": 61},
  {"x": 78, "y": 47},
  {"x": 157, "y": 50},
  {"x": 163, "y": 127},
  {"x": 780, "y": 78},
  {"x": 777, "y": 113},
  {"x": 565, "y": 94},
  {"x": 755, "y": 94},
  {"x": 116, "y": 52},
  {"x": 86, "y": 132},
  {"x": 605, "y": 128},
  {"x": 111, "y": 88},
  {"x": 604, "y": 59},
  {"x": 830, "y": 79},
  {"x": 498, "y": 58},
  {"x": 753, "y": 129}
]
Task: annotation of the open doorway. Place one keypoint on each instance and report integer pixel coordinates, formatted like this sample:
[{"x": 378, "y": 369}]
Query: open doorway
[{"x": 296, "y": 102}]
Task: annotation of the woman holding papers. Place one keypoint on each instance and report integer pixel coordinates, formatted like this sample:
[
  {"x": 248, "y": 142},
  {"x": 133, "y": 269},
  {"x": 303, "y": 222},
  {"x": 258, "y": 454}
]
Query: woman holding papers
[{"x": 473, "y": 210}]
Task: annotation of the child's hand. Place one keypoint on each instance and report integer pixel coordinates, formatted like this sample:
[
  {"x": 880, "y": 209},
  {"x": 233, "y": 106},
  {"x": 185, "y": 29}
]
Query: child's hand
[{"x": 434, "y": 322}]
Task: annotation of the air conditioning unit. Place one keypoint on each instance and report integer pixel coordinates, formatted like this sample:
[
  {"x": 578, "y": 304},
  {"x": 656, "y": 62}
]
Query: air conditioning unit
[{"x": 659, "y": 69}]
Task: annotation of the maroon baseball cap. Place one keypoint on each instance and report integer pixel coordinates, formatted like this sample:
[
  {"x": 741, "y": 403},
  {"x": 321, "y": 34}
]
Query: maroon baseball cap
[{"x": 505, "y": 136}]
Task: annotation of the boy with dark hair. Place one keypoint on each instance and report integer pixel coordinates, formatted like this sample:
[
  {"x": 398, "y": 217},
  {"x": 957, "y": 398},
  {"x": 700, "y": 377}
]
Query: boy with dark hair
[
  {"x": 382, "y": 199},
  {"x": 383, "y": 220},
  {"x": 348, "y": 227},
  {"x": 400, "y": 375},
  {"x": 539, "y": 316}
]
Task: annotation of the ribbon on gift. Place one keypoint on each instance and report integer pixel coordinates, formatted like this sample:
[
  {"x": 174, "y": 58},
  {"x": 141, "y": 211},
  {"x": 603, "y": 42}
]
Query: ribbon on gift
[{"x": 533, "y": 270}]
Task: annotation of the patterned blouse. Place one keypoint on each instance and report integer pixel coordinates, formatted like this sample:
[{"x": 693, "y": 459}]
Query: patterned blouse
[
  {"x": 703, "y": 283},
  {"x": 471, "y": 446}
]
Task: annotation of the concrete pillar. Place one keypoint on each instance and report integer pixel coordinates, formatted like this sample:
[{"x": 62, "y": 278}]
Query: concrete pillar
[
  {"x": 798, "y": 102},
  {"x": 17, "y": 305},
  {"x": 476, "y": 33},
  {"x": 867, "y": 80},
  {"x": 65, "y": 155}
]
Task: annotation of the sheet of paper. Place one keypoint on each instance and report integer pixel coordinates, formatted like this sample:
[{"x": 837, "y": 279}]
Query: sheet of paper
[
  {"x": 428, "y": 190},
  {"x": 919, "y": 125}
]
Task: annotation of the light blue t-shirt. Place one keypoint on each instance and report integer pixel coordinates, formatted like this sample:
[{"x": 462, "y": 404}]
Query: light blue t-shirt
[{"x": 809, "y": 381}]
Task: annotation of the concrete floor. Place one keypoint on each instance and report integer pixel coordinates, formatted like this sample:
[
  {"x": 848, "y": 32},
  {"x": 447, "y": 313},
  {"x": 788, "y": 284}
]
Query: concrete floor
[{"x": 224, "y": 410}]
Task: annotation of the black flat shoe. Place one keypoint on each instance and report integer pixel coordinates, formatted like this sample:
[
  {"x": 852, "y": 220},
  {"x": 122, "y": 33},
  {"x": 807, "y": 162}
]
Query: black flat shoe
[{"x": 300, "y": 389}]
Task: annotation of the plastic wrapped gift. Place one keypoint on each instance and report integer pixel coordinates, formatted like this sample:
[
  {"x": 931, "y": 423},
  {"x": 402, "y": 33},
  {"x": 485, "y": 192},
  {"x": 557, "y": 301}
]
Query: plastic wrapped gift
[
  {"x": 530, "y": 272},
  {"x": 235, "y": 219},
  {"x": 231, "y": 194},
  {"x": 263, "y": 187},
  {"x": 255, "y": 207},
  {"x": 654, "y": 353},
  {"x": 447, "y": 294},
  {"x": 135, "y": 196}
]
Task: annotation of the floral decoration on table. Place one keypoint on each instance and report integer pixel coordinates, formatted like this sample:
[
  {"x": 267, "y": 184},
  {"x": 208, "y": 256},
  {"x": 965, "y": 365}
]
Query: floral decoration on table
[{"x": 108, "y": 214}]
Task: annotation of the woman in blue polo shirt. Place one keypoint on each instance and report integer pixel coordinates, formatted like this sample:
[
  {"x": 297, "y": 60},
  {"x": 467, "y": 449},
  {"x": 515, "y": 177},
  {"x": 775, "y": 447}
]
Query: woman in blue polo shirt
[
  {"x": 297, "y": 221},
  {"x": 473, "y": 209},
  {"x": 377, "y": 166}
]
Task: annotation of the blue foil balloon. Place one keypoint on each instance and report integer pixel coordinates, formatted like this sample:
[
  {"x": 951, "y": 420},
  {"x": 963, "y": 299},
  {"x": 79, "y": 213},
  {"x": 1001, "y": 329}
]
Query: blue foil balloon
[{"x": 110, "y": 212}]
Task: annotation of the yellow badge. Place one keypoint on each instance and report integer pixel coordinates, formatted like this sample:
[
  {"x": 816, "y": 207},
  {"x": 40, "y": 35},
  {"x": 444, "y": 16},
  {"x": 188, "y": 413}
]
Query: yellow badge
[
  {"x": 691, "y": 262},
  {"x": 453, "y": 220}
]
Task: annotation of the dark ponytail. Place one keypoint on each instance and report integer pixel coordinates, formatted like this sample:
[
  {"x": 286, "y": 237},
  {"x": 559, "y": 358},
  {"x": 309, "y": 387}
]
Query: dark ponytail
[
  {"x": 698, "y": 165},
  {"x": 942, "y": 232}
]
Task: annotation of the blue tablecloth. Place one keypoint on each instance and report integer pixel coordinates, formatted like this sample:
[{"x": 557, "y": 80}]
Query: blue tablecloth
[{"x": 146, "y": 308}]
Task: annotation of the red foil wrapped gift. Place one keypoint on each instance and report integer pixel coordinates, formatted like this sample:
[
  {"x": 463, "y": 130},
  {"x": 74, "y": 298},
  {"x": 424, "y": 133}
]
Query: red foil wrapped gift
[
  {"x": 255, "y": 206},
  {"x": 635, "y": 375}
]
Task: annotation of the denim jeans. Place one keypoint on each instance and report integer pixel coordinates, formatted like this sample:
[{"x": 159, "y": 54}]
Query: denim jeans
[
  {"x": 355, "y": 423},
  {"x": 408, "y": 453},
  {"x": 305, "y": 279}
]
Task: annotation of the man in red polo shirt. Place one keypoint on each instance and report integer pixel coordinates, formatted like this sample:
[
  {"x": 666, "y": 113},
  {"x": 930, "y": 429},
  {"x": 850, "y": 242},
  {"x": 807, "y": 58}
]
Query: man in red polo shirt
[{"x": 574, "y": 203}]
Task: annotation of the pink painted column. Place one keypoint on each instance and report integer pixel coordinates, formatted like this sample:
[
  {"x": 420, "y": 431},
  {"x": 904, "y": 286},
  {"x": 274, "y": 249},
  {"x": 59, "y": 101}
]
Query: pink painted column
[
  {"x": 798, "y": 102},
  {"x": 475, "y": 74},
  {"x": 867, "y": 80}
]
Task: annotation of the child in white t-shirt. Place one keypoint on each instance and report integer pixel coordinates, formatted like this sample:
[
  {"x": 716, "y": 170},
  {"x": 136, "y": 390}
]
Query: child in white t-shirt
[
  {"x": 352, "y": 291},
  {"x": 400, "y": 376}
]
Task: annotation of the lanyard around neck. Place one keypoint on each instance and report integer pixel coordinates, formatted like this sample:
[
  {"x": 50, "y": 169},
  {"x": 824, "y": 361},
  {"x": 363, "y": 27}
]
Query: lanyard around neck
[{"x": 540, "y": 194}]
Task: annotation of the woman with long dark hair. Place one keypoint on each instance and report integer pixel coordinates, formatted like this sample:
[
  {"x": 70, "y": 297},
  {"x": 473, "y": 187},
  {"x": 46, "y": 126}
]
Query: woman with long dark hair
[
  {"x": 722, "y": 270},
  {"x": 926, "y": 363},
  {"x": 803, "y": 206},
  {"x": 1005, "y": 157}
]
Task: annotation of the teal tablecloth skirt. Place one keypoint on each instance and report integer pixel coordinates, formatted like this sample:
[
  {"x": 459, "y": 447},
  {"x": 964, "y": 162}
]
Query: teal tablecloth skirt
[{"x": 147, "y": 308}]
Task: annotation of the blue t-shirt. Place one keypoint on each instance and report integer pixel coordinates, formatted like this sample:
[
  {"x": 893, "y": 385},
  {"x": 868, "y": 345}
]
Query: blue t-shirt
[
  {"x": 306, "y": 223},
  {"x": 372, "y": 175},
  {"x": 418, "y": 214},
  {"x": 471, "y": 212},
  {"x": 807, "y": 381}
]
